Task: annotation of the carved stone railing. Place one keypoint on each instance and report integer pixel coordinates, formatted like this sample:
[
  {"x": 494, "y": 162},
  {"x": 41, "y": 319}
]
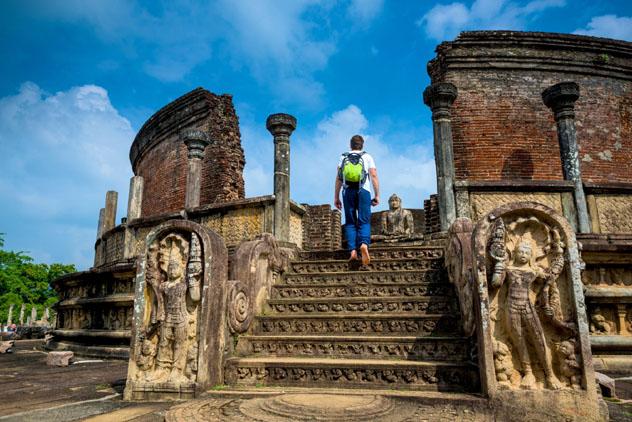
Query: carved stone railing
[
  {"x": 530, "y": 315},
  {"x": 179, "y": 326},
  {"x": 458, "y": 261},
  {"x": 256, "y": 266}
]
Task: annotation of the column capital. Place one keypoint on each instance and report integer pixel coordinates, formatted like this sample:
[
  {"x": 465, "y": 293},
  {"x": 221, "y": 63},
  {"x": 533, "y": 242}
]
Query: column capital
[
  {"x": 196, "y": 142},
  {"x": 281, "y": 124},
  {"x": 561, "y": 99},
  {"x": 439, "y": 97}
]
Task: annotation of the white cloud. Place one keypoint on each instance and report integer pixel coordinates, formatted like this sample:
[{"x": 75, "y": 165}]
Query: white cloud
[
  {"x": 404, "y": 167},
  {"x": 445, "y": 21},
  {"x": 608, "y": 26},
  {"x": 363, "y": 12},
  {"x": 59, "y": 153}
]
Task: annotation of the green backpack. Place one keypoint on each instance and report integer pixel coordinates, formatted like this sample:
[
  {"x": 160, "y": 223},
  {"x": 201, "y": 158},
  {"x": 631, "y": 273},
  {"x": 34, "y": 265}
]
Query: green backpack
[{"x": 352, "y": 169}]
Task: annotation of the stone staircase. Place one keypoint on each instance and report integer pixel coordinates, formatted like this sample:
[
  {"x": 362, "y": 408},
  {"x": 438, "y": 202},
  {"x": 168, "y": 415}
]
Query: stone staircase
[{"x": 394, "y": 325}]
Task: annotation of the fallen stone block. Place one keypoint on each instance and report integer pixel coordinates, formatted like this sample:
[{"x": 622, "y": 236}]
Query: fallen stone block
[
  {"x": 59, "y": 358},
  {"x": 6, "y": 346},
  {"x": 606, "y": 384}
]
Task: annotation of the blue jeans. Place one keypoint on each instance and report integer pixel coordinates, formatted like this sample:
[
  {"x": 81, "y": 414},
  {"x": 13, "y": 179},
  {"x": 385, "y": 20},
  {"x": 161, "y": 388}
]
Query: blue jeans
[{"x": 357, "y": 203}]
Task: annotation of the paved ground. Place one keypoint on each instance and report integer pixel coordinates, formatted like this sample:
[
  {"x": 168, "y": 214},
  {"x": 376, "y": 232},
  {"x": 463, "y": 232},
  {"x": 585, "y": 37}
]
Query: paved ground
[{"x": 91, "y": 391}]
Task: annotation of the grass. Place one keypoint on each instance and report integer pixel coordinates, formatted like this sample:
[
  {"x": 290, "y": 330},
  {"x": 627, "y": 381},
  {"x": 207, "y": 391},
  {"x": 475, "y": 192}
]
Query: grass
[{"x": 219, "y": 387}]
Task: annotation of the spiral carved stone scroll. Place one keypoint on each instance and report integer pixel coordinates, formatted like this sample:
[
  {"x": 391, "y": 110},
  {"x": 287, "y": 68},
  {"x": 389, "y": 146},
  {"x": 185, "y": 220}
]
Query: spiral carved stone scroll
[{"x": 239, "y": 307}]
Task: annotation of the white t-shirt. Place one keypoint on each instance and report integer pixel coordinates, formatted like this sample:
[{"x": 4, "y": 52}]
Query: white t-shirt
[{"x": 369, "y": 163}]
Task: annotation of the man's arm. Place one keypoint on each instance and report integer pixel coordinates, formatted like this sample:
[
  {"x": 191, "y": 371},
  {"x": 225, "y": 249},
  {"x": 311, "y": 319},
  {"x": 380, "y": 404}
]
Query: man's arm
[
  {"x": 337, "y": 202},
  {"x": 376, "y": 186}
]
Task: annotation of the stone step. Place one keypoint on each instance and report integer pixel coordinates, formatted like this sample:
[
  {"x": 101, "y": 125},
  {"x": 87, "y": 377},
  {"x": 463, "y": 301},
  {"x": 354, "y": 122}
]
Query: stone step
[
  {"x": 418, "y": 305},
  {"x": 352, "y": 373},
  {"x": 384, "y": 252},
  {"x": 285, "y": 291},
  {"x": 355, "y": 278},
  {"x": 359, "y": 347},
  {"x": 358, "y": 323},
  {"x": 338, "y": 266}
]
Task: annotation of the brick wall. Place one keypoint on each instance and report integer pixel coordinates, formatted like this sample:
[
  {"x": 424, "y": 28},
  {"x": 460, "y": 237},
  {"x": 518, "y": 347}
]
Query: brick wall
[
  {"x": 160, "y": 157},
  {"x": 431, "y": 215},
  {"x": 321, "y": 228},
  {"x": 501, "y": 128}
]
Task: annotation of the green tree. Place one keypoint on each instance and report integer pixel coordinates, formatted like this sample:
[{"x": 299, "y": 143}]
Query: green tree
[{"x": 23, "y": 281}]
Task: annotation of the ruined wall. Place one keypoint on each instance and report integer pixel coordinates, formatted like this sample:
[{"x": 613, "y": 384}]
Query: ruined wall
[
  {"x": 160, "y": 157},
  {"x": 321, "y": 228},
  {"x": 431, "y": 214},
  {"x": 501, "y": 128}
]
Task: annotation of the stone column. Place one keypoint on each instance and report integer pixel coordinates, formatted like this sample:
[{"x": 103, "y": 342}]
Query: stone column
[
  {"x": 109, "y": 216},
  {"x": 135, "y": 200},
  {"x": 439, "y": 97},
  {"x": 10, "y": 317},
  {"x": 561, "y": 99},
  {"x": 22, "y": 309},
  {"x": 33, "y": 315},
  {"x": 100, "y": 223},
  {"x": 196, "y": 142},
  {"x": 281, "y": 127}
]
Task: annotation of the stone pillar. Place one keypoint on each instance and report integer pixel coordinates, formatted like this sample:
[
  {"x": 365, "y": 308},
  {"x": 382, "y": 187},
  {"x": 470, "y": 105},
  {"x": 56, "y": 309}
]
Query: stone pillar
[
  {"x": 22, "y": 309},
  {"x": 439, "y": 97},
  {"x": 33, "y": 315},
  {"x": 281, "y": 127},
  {"x": 196, "y": 142},
  {"x": 561, "y": 99},
  {"x": 101, "y": 223},
  {"x": 622, "y": 313},
  {"x": 135, "y": 200},
  {"x": 10, "y": 317},
  {"x": 109, "y": 216}
]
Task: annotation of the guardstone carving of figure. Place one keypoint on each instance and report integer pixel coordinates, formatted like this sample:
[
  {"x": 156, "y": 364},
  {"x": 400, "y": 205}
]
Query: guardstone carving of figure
[
  {"x": 174, "y": 269},
  {"x": 527, "y": 259}
]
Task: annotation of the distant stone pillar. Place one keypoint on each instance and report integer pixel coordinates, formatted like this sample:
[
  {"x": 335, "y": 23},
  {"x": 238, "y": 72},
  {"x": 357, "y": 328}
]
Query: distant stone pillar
[
  {"x": 22, "y": 310},
  {"x": 10, "y": 317},
  {"x": 33, "y": 315},
  {"x": 561, "y": 99},
  {"x": 196, "y": 142},
  {"x": 109, "y": 217},
  {"x": 135, "y": 200},
  {"x": 101, "y": 223},
  {"x": 281, "y": 127},
  {"x": 439, "y": 97}
]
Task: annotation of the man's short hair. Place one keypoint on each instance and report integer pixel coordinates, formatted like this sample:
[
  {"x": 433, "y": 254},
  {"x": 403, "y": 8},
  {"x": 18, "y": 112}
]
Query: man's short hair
[{"x": 357, "y": 142}]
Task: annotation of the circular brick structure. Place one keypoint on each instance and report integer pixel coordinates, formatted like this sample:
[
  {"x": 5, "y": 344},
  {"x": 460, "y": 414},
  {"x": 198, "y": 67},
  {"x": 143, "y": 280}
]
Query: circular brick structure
[{"x": 160, "y": 157}]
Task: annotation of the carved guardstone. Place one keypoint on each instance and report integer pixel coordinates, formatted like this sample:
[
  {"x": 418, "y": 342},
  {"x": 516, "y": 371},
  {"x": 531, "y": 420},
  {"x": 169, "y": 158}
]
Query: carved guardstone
[
  {"x": 178, "y": 333},
  {"x": 531, "y": 318}
]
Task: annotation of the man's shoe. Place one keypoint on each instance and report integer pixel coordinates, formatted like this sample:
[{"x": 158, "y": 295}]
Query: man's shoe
[{"x": 364, "y": 251}]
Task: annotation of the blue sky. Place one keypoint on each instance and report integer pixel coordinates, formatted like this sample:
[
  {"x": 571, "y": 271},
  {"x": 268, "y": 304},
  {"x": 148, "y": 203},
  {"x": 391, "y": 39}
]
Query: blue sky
[{"x": 80, "y": 77}]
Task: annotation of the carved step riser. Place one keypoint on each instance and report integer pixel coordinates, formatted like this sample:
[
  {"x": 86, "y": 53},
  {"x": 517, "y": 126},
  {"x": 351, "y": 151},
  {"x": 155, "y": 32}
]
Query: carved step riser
[
  {"x": 432, "y": 306},
  {"x": 429, "y": 378},
  {"x": 316, "y": 267},
  {"x": 426, "y": 349},
  {"x": 366, "y": 278},
  {"x": 285, "y": 292},
  {"x": 390, "y": 253},
  {"x": 439, "y": 326}
]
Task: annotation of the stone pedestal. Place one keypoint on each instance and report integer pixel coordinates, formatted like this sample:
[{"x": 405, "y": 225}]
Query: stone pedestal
[
  {"x": 561, "y": 99},
  {"x": 179, "y": 324},
  {"x": 281, "y": 127},
  {"x": 439, "y": 97}
]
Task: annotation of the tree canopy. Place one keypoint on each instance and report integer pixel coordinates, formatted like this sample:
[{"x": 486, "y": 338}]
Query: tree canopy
[{"x": 24, "y": 281}]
